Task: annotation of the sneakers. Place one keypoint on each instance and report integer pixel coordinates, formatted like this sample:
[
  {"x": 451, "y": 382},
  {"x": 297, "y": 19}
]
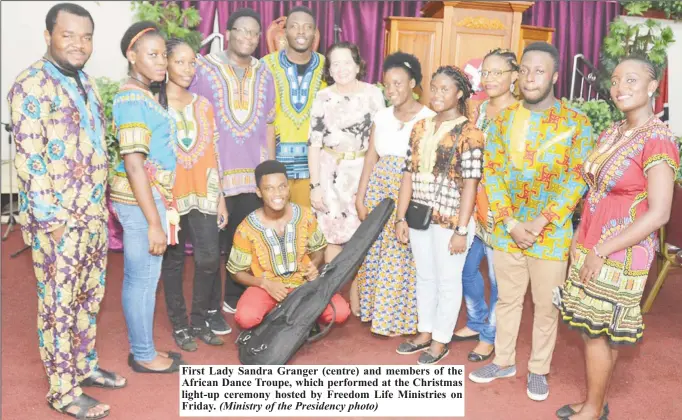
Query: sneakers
[
  {"x": 489, "y": 373},
  {"x": 217, "y": 323},
  {"x": 538, "y": 388},
  {"x": 206, "y": 335},
  {"x": 229, "y": 308},
  {"x": 184, "y": 339}
]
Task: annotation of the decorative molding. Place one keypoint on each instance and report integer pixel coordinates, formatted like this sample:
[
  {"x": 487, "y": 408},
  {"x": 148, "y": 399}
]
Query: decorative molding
[{"x": 480, "y": 23}]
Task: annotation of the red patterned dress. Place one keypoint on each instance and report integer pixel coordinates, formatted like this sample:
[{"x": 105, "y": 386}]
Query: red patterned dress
[{"x": 616, "y": 173}]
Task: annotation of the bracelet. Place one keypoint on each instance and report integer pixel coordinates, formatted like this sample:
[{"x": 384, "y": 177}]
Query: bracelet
[
  {"x": 510, "y": 225},
  {"x": 402, "y": 219},
  {"x": 596, "y": 252}
]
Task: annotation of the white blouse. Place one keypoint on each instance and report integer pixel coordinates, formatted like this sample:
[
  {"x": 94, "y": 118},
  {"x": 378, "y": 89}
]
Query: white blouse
[{"x": 392, "y": 136}]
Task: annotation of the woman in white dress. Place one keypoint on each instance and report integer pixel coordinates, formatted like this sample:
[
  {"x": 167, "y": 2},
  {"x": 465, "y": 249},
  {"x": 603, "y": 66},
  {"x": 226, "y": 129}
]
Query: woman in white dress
[{"x": 386, "y": 280}]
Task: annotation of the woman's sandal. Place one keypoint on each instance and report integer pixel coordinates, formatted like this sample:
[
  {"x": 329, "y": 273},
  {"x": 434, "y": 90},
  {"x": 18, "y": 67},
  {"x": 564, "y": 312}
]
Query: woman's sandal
[
  {"x": 174, "y": 367},
  {"x": 109, "y": 380},
  {"x": 171, "y": 355},
  {"x": 478, "y": 357},
  {"x": 409, "y": 347},
  {"x": 84, "y": 403}
]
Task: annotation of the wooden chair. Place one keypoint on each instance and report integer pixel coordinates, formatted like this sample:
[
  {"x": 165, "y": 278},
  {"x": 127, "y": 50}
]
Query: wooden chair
[
  {"x": 671, "y": 247},
  {"x": 276, "y": 37}
]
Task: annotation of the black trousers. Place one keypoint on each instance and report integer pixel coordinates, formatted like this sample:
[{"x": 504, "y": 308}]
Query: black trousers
[
  {"x": 238, "y": 207},
  {"x": 204, "y": 233}
]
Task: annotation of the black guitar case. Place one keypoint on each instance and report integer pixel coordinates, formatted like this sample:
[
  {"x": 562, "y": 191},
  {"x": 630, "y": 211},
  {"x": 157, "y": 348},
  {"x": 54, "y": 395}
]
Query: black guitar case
[{"x": 287, "y": 327}]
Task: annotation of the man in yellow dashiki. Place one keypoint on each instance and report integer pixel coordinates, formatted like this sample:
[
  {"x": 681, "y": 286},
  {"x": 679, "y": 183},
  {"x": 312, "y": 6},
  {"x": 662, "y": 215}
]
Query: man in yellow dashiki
[
  {"x": 61, "y": 159},
  {"x": 534, "y": 155},
  {"x": 297, "y": 71}
]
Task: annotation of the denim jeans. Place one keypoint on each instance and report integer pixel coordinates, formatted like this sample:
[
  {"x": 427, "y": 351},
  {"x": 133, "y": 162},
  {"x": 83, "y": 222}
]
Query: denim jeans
[
  {"x": 203, "y": 230},
  {"x": 480, "y": 318},
  {"x": 141, "y": 272}
]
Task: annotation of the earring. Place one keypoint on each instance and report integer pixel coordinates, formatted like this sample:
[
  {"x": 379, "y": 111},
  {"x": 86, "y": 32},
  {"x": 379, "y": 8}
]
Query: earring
[
  {"x": 166, "y": 77},
  {"x": 511, "y": 87},
  {"x": 651, "y": 94}
]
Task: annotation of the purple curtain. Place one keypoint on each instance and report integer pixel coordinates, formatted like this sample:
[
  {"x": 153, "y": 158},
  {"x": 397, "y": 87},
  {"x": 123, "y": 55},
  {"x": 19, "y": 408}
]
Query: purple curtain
[
  {"x": 569, "y": 38},
  {"x": 360, "y": 22}
]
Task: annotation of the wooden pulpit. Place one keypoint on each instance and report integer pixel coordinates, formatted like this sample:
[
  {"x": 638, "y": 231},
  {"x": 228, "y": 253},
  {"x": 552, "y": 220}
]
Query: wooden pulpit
[{"x": 461, "y": 33}]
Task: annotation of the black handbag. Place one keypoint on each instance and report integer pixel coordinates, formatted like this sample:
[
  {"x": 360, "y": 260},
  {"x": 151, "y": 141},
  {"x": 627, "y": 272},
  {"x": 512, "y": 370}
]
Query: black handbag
[{"x": 418, "y": 215}]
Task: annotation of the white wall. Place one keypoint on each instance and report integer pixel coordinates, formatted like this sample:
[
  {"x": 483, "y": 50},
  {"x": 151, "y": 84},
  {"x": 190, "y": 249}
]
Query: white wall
[
  {"x": 674, "y": 72},
  {"x": 23, "y": 24}
]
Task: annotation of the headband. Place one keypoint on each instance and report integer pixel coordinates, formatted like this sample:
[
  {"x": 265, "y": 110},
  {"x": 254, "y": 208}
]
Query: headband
[{"x": 138, "y": 36}]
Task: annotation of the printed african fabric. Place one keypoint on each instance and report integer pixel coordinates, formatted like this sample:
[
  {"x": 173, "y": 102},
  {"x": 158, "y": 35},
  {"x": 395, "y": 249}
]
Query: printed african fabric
[
  {"x": 340, "y": 125},
  {"x": 197, "y": 184},
  {"x": 437, "y": 180},
  {"x": 260, "y": 250},
  {"x": 61, "y": 157},
  {"x": 533, "y": 162},
  {"x": 294, "y": 98},
  {"x": 387, "y": 279},
  {"x": 616, "y": 174},
  {"x": 484, "y": 217},
  {"x": 143, "y": 126},
  {"x": 243, "y": 106},
  {"x": 62, "y": 166}
]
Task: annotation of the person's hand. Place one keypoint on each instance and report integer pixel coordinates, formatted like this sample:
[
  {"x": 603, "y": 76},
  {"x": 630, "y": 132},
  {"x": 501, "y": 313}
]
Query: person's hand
[
  {"x": 361, "y": 209},
  {"x": 523, "y": 238},
  {"x": 317, "y": 200},
  {"x": 591, "y": 268},
  {"x": 157, "y": 240},
  {"x": 402, "y": 232},
  {"x": 537, "y": 225},
  {"x": 572, "y": 256},
  {"x": 311, "y": 272},
  {"x": 223, "y": 216},
  {"x": 58, "y": 233},
  {"x": 458, "y": 244},
  {"x": 277, "y": 290}
]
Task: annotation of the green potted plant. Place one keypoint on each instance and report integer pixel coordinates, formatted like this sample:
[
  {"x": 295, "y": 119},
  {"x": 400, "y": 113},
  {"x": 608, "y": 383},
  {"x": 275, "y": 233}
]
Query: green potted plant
[{"x": 672, "y": 9}]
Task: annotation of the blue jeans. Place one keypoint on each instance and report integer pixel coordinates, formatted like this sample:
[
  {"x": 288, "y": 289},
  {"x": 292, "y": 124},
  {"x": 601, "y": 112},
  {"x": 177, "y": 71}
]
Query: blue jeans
[
  {"x": 480, "y": 318},
  {"x": 141, "y": 272}
]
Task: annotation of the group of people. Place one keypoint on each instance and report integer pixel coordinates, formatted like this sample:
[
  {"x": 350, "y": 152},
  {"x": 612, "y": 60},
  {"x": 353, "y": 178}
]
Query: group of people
[{"x": 277, "y": 162}]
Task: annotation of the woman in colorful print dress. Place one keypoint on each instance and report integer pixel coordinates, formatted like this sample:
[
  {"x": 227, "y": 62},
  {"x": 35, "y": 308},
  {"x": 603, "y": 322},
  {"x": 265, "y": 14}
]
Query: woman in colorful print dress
[
  {"x": 386, "y": 280},
  {"x": 340, "y": 126},
  {"x": 631, "y": 176},
  {"x": 141, "y": 187},
  {"x": 442, "y": 170},
  {"x": 499, "y": 73},
  {"x": 200, "y": 205}
]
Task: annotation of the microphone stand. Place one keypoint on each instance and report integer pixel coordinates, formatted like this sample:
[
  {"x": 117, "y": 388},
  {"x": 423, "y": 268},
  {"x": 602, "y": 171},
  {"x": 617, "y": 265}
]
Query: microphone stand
[
  {"x": 337, "y": 20},
  {"x": 12, "y": 221}
]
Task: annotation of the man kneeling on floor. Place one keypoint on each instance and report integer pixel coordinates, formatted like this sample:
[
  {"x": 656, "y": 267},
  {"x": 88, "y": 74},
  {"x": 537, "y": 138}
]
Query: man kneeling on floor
[{"x": 276, "y": 249}]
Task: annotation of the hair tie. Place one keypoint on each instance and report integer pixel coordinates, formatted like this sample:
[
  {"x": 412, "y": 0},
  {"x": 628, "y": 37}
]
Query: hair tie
[
  {"x": 138, "y": 36},
  {"x": 407, "y": 64}
]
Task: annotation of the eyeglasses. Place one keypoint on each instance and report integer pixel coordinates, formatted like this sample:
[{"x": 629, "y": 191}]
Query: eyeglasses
[
  {"x": 247, "y": 32},
  {"x": 495, "y": 74}
]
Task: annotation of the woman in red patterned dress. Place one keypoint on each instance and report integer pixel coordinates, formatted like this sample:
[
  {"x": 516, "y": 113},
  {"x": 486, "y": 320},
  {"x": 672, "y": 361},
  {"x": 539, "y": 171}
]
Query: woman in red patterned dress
[{"x": 631, "y": 176}]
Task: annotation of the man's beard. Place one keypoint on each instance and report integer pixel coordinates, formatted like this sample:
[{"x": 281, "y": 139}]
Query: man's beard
[
  {"x": 542, "y": 97},
  {"x": 65, "y": 65}
]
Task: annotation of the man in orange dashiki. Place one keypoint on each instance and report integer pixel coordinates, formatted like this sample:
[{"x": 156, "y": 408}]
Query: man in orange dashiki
[{"x": 276, "y": 249}]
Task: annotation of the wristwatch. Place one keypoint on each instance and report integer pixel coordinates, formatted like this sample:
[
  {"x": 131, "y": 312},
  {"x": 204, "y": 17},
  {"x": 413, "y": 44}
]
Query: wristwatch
[
  {"x": 461, "y": 231},
  {"x": 402, "y": 219},
  {"x": 313, "y": 186}
]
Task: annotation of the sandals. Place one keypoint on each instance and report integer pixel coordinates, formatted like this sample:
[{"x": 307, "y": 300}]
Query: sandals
[
  {"x": 171, "y": 354},
  {"x": 108, "y": 383},
  {"x": 84, "y": 403},
  {"x": 409, "y": 347},
  {"x": 478, "y": 357},
  {"x": 174, "y": 367}
]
